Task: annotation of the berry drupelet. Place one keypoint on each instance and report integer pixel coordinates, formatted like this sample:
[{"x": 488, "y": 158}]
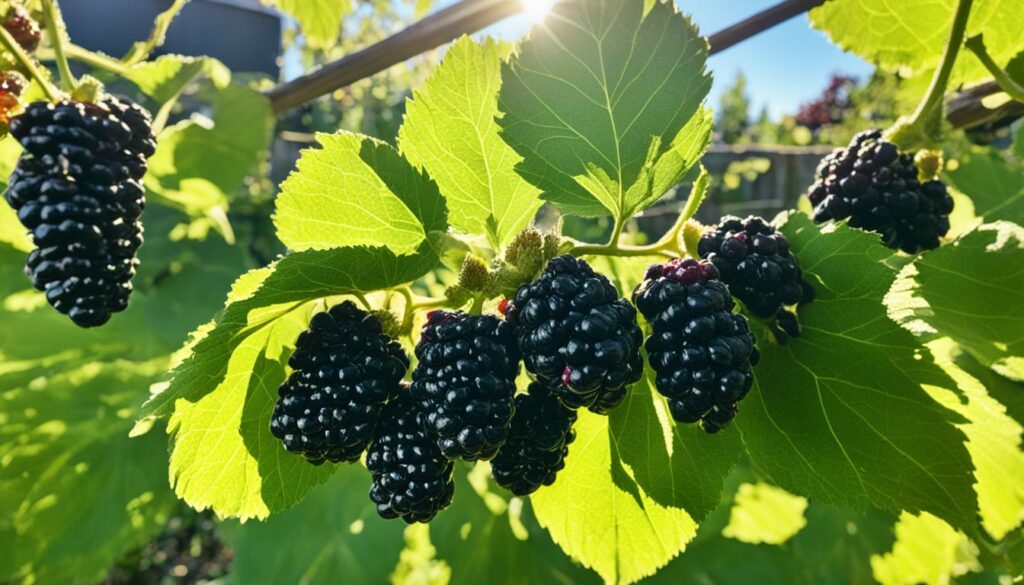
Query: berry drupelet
[
  {"x": 577, "y": 337},
  {"x": 412, "y": 479},
  {"x": 536, "y": 448},
  {"x": 78, "y": 189},
  {"x": 876, "y": 187},
  {"x": 344, "y": 369},
  {"x": 700, "y": 350},
  {"x": 465, "y": 381}
]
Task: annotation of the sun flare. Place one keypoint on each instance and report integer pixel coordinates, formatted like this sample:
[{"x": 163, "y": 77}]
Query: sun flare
[{"x": 537, "y": 10}]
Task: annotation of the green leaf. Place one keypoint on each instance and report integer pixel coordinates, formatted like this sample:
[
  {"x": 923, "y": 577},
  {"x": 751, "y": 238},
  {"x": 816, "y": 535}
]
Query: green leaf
[
  {"x": 221, "y": 397},
  {"x": 972, "y": 291},
  {"x": 75, "y": 491},
  {"x": 12, "y": 232},
  {"x": 927, "y": 550},
  {"x": 839, "y": 413},
  {"x": 165, "y": 77},
  {"x": 676, "y": 465},
  {"x": 764, "y": 513},
  {"x": 320, "y": 19},
  {"x": 334, "y": 531},
  {"x": 450, "y": 132},
  {"x": 487, "y": 537},
  {"x": 357, "y": 191},
  {"x": 597, "y": 96},
  {"x": 223, "y": 456},
  {"x": 911, "y": 34},
  {"x": 994, "y": 183},
  {"x": 601, "y": 516},
  {"x": 993, "y": 440},
  {"x": 200, "y": 163}
]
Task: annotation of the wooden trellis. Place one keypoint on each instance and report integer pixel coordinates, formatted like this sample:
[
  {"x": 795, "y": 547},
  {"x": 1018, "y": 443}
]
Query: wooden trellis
[{"x": 964, "y": 110}]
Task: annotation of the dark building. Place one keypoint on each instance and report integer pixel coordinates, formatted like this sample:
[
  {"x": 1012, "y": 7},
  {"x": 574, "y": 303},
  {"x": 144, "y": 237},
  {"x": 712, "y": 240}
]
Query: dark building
[{"x": 243, "y": 34}]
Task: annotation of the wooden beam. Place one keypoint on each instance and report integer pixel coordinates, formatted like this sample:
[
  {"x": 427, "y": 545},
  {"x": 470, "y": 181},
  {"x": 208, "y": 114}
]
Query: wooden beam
[{"x": 443, "y": 26}]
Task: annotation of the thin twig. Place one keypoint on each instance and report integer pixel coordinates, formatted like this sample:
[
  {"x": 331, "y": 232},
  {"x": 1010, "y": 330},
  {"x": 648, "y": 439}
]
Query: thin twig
[{"x": 57, "y": 31}]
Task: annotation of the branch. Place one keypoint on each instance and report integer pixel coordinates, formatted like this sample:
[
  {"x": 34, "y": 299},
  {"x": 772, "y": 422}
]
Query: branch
[
  {"x": 967, "y": 109},
  {"x": 466, "y": 17},
  {"x": 758, "y": 23},
  {"x": 441, "y": 27}
]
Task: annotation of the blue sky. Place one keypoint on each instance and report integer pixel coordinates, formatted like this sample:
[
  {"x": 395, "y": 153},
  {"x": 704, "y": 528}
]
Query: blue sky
[{"x": 785, "y": 66}]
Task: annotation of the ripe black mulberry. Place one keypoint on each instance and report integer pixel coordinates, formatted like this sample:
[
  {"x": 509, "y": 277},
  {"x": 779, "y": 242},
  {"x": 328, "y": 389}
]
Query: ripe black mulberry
[
  {"x": 466, "y": 381},
  {"x": 412, "y": 479},
  {"x": 701, "y": 351},
  {"x": 78, "y": 189},
  {"x": 536, "y": 448},
  {"x": 577, "y": 337},
  {"x": 876, "y": 187},
  {"x": 344, "y": 369}
]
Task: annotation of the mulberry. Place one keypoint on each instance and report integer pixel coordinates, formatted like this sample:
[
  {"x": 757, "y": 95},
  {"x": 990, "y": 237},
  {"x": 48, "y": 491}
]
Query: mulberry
[
  {"x": 755, "y": 261},
  {"x": 466, "y": 380},
  {"x": 78, "y": 188},
  {"x": 412, "y": 479},
  {"x": 700, "y": 350},
  {"x": 536, "y": 448},
  {"x": 876, "y": 187},
  {"x": 18, "y": 22},
  {"x": 577, "y": 337},
  {"x": 344, "y": 371}
]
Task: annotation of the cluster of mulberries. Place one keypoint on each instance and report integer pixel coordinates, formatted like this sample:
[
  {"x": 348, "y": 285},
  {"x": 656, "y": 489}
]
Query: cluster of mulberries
[
  {"x": 700, "y": 350},
  {"x": 876, "y": 187},
  {"x": 538, "y": 443},
  {"x": 754, "y": 260},
  {"x": 344, "y": 370},
  {"x": 78, "y": 189},
  {"x": 577, "y": 337},
  {"x": 466, "y": 381}
]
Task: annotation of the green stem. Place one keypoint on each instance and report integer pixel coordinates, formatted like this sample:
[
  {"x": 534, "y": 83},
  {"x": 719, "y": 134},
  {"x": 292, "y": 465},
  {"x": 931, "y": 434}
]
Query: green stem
[
  {"x": 478, "y": 305},
  {"x": 96, "y": 60},
  {"x": 933, "y": 98},
  {"x": 19, "y": 54},
  {"x": 976, "y": 44},
  {"x": 55, "y": 29},
  {"x": 141, "y": 51},
  {"x": 163, "y": 114},
  {"x": 430, "y": 303},
  {"x": 363, "y": 301}
]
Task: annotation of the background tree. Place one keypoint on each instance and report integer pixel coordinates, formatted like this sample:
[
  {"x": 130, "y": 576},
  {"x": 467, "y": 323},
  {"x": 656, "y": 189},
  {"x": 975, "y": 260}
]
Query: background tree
[{"x": 734, "y": 111}]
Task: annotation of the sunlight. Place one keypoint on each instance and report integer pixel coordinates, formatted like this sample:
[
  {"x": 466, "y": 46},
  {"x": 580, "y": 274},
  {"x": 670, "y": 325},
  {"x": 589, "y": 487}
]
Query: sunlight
[{"x": 536, "y": 10}]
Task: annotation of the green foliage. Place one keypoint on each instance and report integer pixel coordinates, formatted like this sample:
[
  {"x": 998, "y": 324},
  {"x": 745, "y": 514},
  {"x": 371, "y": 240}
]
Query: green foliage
[
  {"x": 994, "y": 181},
  {"x": 200, "y": 163},
  {"x": 357, "y": 191},
  {"x": 489, "y": 537},
  {"x": 450, "y": 131},
  {"x": 812, "y": 422},
  {"x": 320, "y": 19},
  {"x": 911, "y": 34},
  {"x": 734, "y": 111},
  {"x": 765, "y": 514},
  {"x": 593, "y": 117},
  {"x": 985, "y": 266},
  {"x": 883, "y": 444},
  {"x": 334, "y": 531}
]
